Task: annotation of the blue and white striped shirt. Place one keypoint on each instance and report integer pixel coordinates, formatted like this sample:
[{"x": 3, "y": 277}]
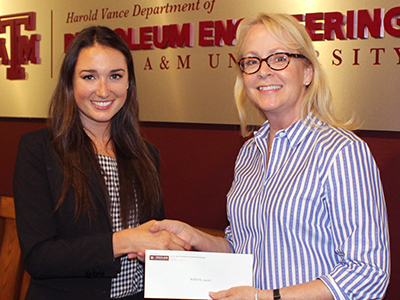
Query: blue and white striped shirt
[{"x": 315, "y": 210}]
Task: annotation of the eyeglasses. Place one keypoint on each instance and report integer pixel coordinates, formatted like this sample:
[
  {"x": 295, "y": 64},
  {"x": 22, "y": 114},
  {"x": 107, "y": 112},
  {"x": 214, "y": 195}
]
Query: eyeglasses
[{"x": 276, "y": 61}]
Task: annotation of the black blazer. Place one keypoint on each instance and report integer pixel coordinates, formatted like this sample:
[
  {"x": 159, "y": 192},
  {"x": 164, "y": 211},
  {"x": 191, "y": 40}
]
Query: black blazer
[{"x": 66, "y": 259}]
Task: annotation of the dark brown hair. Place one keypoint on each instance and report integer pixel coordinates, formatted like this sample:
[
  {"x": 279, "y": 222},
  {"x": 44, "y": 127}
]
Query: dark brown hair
[{"x": 75, "y": 150}]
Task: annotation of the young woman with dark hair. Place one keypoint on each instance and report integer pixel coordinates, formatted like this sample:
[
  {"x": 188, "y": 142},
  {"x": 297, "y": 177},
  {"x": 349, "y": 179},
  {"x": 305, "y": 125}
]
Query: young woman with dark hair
[{"x": 86, "y": 187}]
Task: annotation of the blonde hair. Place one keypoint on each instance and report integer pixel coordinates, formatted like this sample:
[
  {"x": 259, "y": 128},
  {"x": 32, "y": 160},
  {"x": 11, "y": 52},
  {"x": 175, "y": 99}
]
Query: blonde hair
[{"x": 288, "y": 31}]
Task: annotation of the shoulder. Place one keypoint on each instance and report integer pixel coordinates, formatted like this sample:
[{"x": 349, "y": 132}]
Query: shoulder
[
  {"x": 35, "y": 151},
  {"x": 338, "y": 138},
  {"x": 328, "y": 136},
  {"x": 150, "y": 146},
  {"x": 36, "y": 137},
  {"x": 337, "y": 145},
  {"x": 248, "y": 146},
  {"x": 35, "y": 141},
  {"x": 153, "y": 151}
]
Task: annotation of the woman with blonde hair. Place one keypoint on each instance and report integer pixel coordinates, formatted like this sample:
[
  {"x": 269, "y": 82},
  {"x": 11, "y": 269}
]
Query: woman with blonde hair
[
  {"x": 317, "y": 98},
  {"x": 306, "y": 199}
]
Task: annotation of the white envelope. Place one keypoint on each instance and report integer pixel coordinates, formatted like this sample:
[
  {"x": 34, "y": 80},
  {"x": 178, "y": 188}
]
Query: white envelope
[{"x": 192, "y": 274}]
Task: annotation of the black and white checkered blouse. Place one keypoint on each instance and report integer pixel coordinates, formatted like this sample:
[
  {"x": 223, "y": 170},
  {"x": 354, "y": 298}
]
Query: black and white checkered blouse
[{"x": 130, "y": 280}]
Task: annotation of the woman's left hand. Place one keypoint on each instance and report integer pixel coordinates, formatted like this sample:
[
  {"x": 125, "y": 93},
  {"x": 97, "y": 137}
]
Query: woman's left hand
[{"x": 239, "y": 292}]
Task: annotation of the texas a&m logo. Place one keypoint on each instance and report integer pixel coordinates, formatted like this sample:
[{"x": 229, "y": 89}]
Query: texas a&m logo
[{"x": 22, "y": 48}]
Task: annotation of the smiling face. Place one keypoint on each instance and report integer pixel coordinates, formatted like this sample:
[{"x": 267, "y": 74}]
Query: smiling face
[
  {"x": 100, "y": 85},
  {"x": 278, "y": 94}
]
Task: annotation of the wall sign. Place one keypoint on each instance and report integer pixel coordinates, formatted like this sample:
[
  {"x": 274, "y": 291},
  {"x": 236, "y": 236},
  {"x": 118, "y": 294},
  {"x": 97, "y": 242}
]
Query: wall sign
[{"x": 183, "y": 53}]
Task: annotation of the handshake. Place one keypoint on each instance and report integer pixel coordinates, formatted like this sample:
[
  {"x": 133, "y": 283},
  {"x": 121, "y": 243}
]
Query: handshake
[{"x": 156, "y": 235}]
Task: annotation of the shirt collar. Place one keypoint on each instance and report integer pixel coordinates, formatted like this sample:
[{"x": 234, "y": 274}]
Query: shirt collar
[{"x": 296, "y": 132}]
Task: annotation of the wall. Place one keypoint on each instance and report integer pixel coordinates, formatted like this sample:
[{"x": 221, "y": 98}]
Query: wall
[{"x": 197, "y": 167}]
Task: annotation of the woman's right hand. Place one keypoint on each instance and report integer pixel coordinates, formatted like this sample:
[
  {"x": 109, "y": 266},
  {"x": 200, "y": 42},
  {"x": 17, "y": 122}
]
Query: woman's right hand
[
  {"x": 178, "y": 228},
  {"x": 137, "y": 240},
  {"x": 196, "y": 238}
]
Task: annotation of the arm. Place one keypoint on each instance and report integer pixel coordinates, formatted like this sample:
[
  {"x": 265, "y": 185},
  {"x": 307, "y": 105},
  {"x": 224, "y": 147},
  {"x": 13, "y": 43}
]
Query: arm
[
  {"x": 52, "y": 244},
  {"x": 204, "y": 242},
  {"x": 134, "y": 240},
  {"x": 356, "y": 205},
  {"x": 354, "y": 202},
  {"x": 313, "y": 290}
]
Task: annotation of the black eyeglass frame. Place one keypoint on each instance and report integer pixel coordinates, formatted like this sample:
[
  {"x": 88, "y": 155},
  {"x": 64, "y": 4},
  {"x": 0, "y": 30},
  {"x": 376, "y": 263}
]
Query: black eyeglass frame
[{"x": 289, "y": 55}]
